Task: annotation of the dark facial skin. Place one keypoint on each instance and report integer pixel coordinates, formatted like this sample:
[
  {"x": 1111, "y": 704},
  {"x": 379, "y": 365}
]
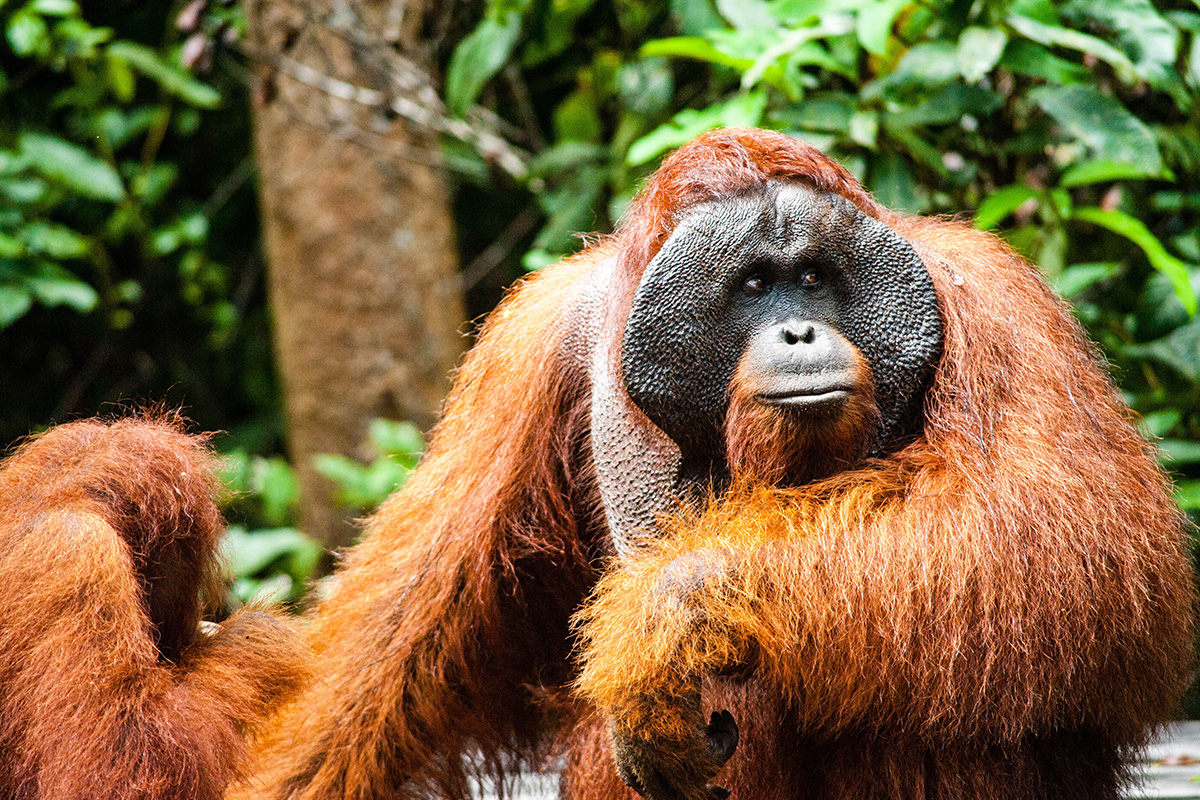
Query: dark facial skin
[
  {"x": 790, "y": 291},
  {"x": 793, "y": 282}
]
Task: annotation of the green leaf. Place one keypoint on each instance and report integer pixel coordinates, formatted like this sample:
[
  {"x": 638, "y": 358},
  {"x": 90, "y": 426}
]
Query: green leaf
[
  {"x": 56, "y": 241},
  {"x": 152, "y": 184},
  {"x": 692, "y": 47},
  {"x": 10, "y": 246},
  {"x": 383, "y": 477},
  {"x": 948, "y": 105},
  {"x": 830, "y": 111},
  {"x": 925, "y": 66},
  {"x": 15, "y": 301},
  {"x": 1179, "y": 350},
  {"x": 1160, "y": 422},
  {"x": 271, "y": 591},
  {"x": 646, "y": 86},
  {"x": 1135, "y": 231},
  {"x": 72, "y": 166},
  {"x": 169, "y": 76},
  {"x": 864, "y": 128},
  {"x": 128, "y": 291},
  {"x": 570, "y": 209},
  {"x": 1193, "y": 73},
  {"x": 788, "y": 45},
  {"x": 537, "y": 259},
  {"x": 55, "y": 8},
  {"x": 557, "y": 30},
  {"x": 23, "y": 191},
  {"x": 1102, "y": 124},
  {"x": 393, "y": 438},
  {"x": 979, "y": 50},
  {"x": 892, "y": 182},
  {"x": 1026, "y": 58},
  {"x": 1001, "y": 203},
  {"x": 52, "y": 285},
  {"x": 165, "y": 240},
  {"x": 1092, "y": 171},
  {"x": 1074, "y": 40},
  {"x": 120, "y": 78},
  {"x": 576, "y": 119},
  {"x": 1077, "y": 278},
  {"x": 119, "y": 127},
  {"x": 233, "y": 468},
  {"x": 747, "y": 14},
  {"x": 10, "y": 162},
  {"x": 929, "y": 155},
  {"x": 27, "y": 33},
  {"x": 1185, "y": 20},
  {"x": 80, "y": 39},
  {"x": 478, "y": 57},
  {"x": 566, "y": 156},
  {"x": 694, "y": 17},
  {"x": 739, "y": 110},
  {"x": 360, "y": 487},
  {"x": 250, "y": 553},
  {"x": 1177, "y": 452},
  {"x": 1158, "y": 310},
  {"x": 1187, "y": 495},
  {"x": 274, "y": 481},
  {"x": 874, "y": 24},
  {"x": 1143, "y": 34},
  {"x": 194, "y": 227},
  {"x": 1038, "y": 10}
]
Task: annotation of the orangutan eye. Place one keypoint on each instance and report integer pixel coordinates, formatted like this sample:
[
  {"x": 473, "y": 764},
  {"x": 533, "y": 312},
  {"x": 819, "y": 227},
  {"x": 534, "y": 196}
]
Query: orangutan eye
[
  {"x": 756, "y": 284},
  {"x": 811, "y": 279}
]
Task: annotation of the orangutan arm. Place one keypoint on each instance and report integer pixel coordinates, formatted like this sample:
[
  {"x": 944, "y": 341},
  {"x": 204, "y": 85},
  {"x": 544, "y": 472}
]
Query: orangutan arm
[
  {"x": 888, "y": 602},
  {"x": 103, "y": 715},
  {"x": 454, "y": 609}
]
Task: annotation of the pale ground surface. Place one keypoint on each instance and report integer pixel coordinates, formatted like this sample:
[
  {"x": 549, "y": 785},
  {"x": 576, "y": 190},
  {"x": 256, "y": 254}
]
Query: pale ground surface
[{"x": 1170, "y": 768}]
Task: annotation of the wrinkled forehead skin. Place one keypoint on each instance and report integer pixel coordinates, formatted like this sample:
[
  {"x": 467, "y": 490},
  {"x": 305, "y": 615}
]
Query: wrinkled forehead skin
[{"x": 885, "y": 300}]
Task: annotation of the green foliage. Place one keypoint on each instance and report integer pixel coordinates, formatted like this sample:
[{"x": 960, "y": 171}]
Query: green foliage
[
  {"x": 1070, "y": 126},
  {"x": 266, "y": 554},
  {"x": 89, "y": 181},
  {"x": 126, "y": 265},
  {"x": 397, "y": 446}
]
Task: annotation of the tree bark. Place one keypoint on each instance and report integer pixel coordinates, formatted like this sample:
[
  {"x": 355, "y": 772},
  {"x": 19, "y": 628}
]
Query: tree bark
[{"x": 358, "y": 236}]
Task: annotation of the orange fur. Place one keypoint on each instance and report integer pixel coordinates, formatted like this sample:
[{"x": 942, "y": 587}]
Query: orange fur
[
  {"x": 460, "y": 593},
  {"x": 1017, "y": 572},
  {"x": 765, "y": 445},
  {"x": 108, "y": 533},
  {"x": 996, "y": 611}
]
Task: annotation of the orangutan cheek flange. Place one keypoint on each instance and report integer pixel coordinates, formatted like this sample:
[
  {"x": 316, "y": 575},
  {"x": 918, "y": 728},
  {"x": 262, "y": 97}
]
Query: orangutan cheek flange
[{"x": 772, "y": 450}]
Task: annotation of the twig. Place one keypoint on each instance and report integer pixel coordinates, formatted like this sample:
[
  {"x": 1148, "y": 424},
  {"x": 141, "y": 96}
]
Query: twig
[
  {"x": 428, "y": 113},
  {"x": 497, "y": 251},
  {"x": 232, "y": 182}
]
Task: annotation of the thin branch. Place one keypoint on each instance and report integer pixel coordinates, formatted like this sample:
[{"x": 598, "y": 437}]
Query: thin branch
[
  {"x": 525, "y": 109},
  {"x": 411, "y": 95},
  {"x": 483, "y": 264},
  {"x": 350, "y": 132},
  {"x": 232, "y": 182},
  {"x": 511, "y": 159}
]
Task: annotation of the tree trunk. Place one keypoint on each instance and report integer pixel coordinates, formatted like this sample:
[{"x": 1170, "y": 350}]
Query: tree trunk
[{"x": 358, "y": 235}]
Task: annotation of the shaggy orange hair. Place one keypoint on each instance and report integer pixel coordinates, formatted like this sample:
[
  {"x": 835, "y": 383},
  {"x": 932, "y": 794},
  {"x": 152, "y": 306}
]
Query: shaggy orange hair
[
  {"x": 108, "y": 532},
  {"x": 998, "y": 610}
]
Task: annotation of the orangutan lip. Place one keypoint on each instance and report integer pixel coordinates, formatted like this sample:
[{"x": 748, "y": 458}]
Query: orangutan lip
[{"x": 805, "y": 399}]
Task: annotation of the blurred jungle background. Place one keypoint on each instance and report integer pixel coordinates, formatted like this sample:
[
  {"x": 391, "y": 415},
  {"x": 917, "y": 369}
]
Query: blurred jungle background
[{"x": 286, "y": 216}]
